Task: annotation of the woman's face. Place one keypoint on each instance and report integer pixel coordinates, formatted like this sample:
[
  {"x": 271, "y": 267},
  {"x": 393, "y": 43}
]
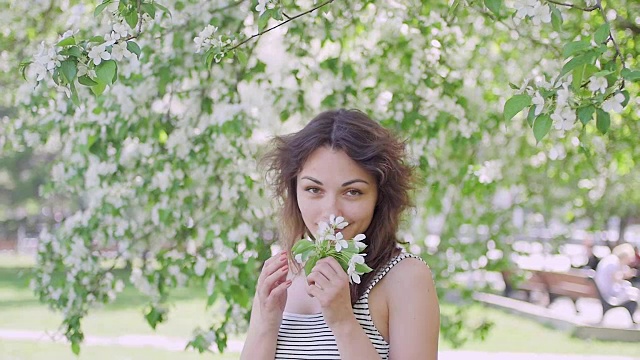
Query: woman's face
[{"x": 330, "y": 182}]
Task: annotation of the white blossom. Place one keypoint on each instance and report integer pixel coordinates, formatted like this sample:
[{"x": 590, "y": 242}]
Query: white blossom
[
  {"x": 119, "y": 50},
  {"x": 538, "y": 102},
  {"x": 614, "y": 103},
  {"x": 263, "y": 5},
  {"x": 201, "y": 266},
  {"x": 598, "y": 83},
  {"x": 489, "y": 172},
  {"x": 204, "y": 39},
  {"x": 99, "y": 53},
  {"x": 564, "y": 119}
]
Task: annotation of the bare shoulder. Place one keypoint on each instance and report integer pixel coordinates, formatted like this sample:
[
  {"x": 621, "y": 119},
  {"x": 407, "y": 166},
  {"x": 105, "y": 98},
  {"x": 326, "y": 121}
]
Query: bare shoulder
[{"x": 409, "y": 271}]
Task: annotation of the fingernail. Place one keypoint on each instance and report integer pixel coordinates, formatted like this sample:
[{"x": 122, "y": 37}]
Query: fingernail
[{"x": 285, "y": 269}]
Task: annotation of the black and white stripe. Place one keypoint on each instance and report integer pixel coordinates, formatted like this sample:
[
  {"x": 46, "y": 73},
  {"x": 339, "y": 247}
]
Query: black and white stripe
[{"x": 307, "y": 336}]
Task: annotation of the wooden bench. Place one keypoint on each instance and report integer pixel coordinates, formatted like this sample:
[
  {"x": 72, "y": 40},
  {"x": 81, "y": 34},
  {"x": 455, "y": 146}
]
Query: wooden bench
[{"x": 574, "y": 284}]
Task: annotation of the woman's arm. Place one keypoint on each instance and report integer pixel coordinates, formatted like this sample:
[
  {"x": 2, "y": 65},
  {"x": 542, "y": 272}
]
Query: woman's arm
[
  {"x": 414, "y": 313},
  {"x": 261, "y": 340},
  {"x": 266, "y": 312}
]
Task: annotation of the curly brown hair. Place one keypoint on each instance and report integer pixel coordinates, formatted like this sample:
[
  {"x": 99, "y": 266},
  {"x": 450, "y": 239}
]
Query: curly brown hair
[{"x": 370, "y": 145}]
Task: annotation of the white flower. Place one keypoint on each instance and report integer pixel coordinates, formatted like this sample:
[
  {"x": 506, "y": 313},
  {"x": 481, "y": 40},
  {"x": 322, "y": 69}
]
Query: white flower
[
  {"x": 489, "y": 172},
  {"x": 200, "y": 267},
  {"x": 341, "y": 244},
  {"x": 298, "y": 258},
  {"x": 263, "y": 5},
  {"x": 83, "y": 69},
  {"x": 538, "y": 101},
  {"x": 120, "y": 30},
  {"x": 354, "y": 275},
  {"x": 598, "y": 84},
  {"x": 99, "y": 53},
  {"x": 563, "y": 119},
  {"x": 542, "y": 14},
  {"x": 358, "y": 241},
  {"x": 614, "y": 103},
  {"x": 525, "y": 8},
  {"x": 119, "y": 50},
  {"x": 563, "y": 96},
  {"x": 204, "y": 38}
]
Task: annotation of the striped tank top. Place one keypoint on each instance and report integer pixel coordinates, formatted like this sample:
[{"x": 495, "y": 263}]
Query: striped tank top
[{"x": 307, "y": 336}]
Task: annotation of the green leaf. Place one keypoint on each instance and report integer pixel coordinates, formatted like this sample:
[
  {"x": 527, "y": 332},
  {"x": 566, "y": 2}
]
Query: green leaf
[
  {"x": 97, "y": 90},
  {"x": 75, "y": 347},
  {"x": 263, "y": 20},
  {"x": 101, "y": 7},
  {"x": 86, "y": 81},
  {"x": 106, "y": 71},
  {"x": 603, "y": 120},
  {"x": 69, "y": 70},
  {"x": 631, "y": 75},
  {"x": 149, "y": 9},
  {"x": 134, "y": 48},
  {"x": 556, "y": 19},
  {"x": 602, "y": 33},
  {"x": 97, "y": 39},
  {"x": 575, "y": 47},
  {"x": 301, "y": 246},
  {"x": 72, "y": 51},
  {"x": 586, "y": 58},
  {"x": 627, "y": 97},
  {"x": 242, "y": 57},
  {"x": 531, "y": 116},
  {"x": 585, "y": 113},
  {"x": 23, "y": 68},
  {"x": 132, "y": 18},
  {"x": 453, "y": 9},
  {"x": 494, "y": 6},
  {"x": 74, "y": 94},
  {"x": 311, "y": 263},
  {"x": 163, "y": 8},
  {"x": 541, "y": 126},
  {"x": 578, "y": 75},
  {"x": 67, "y": 41},
  {"x": 515, "y": 105}
]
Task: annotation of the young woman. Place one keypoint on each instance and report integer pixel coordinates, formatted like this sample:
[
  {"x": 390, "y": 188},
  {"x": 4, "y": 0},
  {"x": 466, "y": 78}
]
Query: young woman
[{"x": 345, "y": 164}]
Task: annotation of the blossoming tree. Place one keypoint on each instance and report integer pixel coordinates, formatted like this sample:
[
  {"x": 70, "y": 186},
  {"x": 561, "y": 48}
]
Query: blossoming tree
[{"x": 158, "y": 110}]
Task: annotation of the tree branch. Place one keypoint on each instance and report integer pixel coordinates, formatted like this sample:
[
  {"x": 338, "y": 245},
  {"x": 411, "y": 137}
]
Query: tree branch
[
  {"x": 590, "y": 8},
  {"x": 281, "y": 24},
  {"x": 613, "y": 40}
]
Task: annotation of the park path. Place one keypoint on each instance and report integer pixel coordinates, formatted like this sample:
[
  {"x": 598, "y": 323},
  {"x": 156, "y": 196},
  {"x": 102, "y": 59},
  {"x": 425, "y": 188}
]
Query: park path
[{"x": 235, "y": 346}]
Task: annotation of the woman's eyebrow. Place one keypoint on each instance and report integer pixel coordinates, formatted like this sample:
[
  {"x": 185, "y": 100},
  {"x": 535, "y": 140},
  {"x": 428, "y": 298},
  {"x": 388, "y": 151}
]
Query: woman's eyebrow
[{"x": 343, "y": 185}]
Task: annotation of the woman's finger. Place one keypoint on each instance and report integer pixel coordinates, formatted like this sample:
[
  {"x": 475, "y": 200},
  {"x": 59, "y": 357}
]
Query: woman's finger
[
  {"x": 317, "y": 278},
  {"x": 280, "y": 289},
  {"x": 273, "y": 280},
  {"x": 272, "y": 265}
]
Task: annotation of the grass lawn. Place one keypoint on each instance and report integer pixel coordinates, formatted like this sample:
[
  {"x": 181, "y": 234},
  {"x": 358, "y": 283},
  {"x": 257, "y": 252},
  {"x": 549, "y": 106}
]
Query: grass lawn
[
  {"x": 20, "y": 310},
  {"x": 27, "y": 350}
]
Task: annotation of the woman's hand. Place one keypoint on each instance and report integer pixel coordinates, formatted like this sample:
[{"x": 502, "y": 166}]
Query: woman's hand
[
  {"x": 272, "y": 289},
  {"x": 329, "y": 283}
]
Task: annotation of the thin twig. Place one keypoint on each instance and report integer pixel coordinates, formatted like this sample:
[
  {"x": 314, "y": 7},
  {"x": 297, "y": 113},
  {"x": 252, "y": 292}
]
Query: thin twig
[
  {"x": 139, "y": 16},
  {"x": 613, "y": 40},
  {"x": 590, "y": 8},
  {"x": 282, "y": 23}
]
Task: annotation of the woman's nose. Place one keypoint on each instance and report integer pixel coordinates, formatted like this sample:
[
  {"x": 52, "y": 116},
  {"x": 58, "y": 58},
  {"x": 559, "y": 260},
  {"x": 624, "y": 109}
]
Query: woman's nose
[{"x": 330, "y": 207}]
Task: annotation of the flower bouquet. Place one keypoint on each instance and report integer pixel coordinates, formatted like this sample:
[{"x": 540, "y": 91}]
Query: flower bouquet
[{"x": 330, "y": 242}]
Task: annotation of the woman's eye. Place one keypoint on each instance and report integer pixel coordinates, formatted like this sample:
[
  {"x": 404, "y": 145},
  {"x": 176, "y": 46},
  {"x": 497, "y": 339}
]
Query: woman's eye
[
  {"x": 313, "y": 190},
  {"x": 354, "y": 192}
]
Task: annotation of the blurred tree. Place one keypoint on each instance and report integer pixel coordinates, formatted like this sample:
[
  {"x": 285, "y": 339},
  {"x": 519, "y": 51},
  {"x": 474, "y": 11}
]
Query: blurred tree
[{"x": 159, "y": 110}]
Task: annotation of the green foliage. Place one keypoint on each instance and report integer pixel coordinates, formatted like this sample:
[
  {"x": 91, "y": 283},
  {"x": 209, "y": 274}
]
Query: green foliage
[{"x": 159, "y": 142}]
